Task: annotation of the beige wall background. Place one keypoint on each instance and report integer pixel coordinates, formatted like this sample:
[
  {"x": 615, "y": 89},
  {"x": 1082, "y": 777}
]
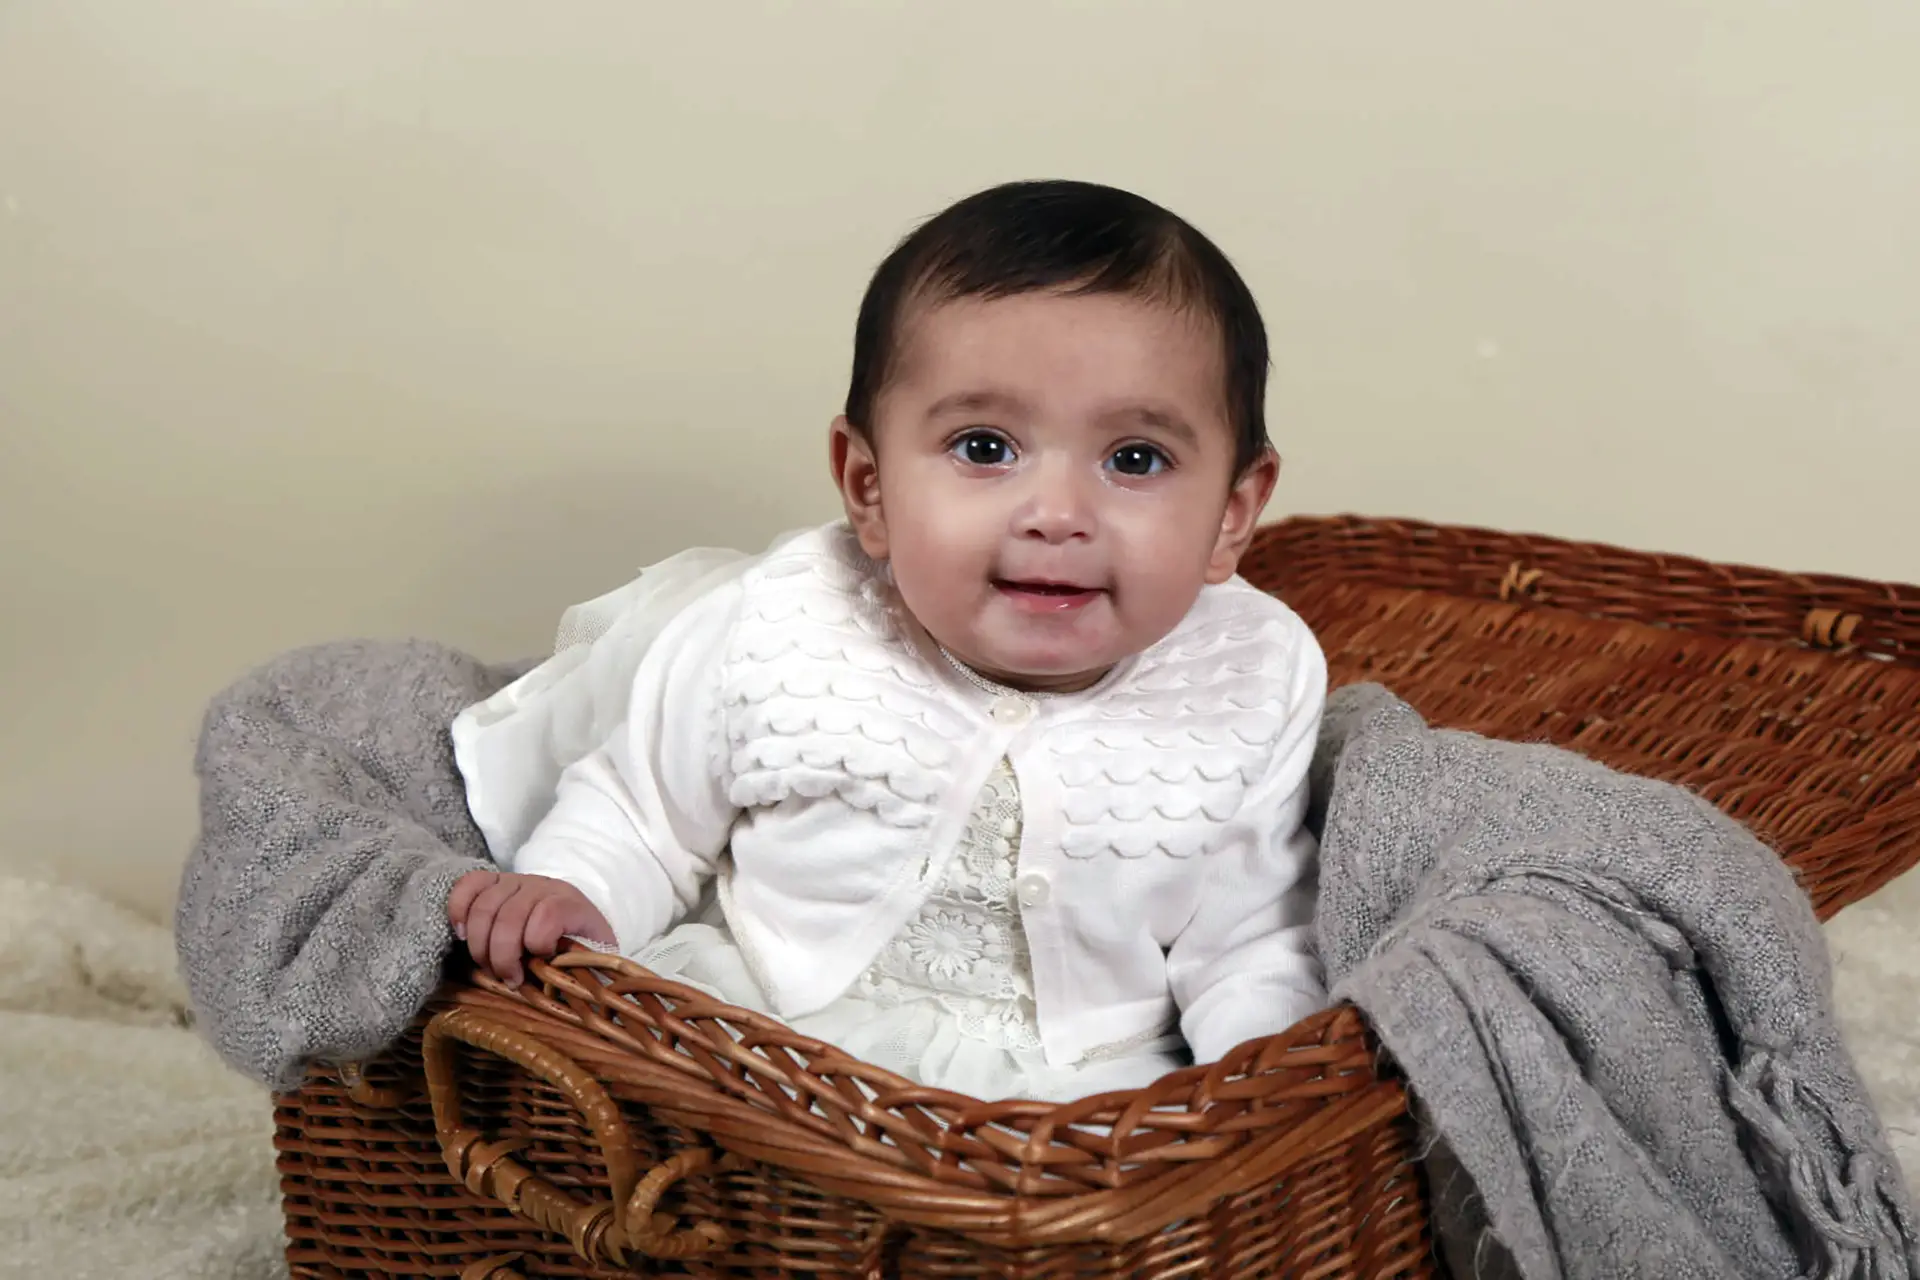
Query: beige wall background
[{"x": 322, "y": 318}]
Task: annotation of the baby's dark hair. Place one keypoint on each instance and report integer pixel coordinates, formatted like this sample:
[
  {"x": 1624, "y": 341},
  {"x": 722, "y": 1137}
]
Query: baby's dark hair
[{"x": 1077, "y": 237}]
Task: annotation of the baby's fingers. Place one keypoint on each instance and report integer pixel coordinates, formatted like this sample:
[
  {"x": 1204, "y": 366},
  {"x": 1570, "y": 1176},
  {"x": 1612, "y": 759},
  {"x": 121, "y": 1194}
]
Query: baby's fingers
[
  {"x": 460, "y": 898},
  {"x": 509, "y": 942},
  {"x": 546, "y": 925},
  {"x": 481, "y": 915}
]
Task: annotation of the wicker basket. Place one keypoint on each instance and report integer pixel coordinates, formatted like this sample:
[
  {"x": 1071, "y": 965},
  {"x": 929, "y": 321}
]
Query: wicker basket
[{"x": 601, "y": 1121}]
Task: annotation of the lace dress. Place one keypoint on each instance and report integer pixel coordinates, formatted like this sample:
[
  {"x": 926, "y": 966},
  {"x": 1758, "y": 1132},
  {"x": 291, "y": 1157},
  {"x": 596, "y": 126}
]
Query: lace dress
[{"x": 949, "y": 1001}]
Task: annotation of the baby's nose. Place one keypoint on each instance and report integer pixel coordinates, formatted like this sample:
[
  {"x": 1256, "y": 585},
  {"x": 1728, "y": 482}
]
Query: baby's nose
[{"x": 1058, "y": 509}]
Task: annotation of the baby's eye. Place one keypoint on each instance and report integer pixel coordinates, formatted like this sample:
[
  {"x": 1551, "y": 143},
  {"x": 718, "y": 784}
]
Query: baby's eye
[
  {"x": 983, "y": 449},
  {"x": 1138, "y": 460}
]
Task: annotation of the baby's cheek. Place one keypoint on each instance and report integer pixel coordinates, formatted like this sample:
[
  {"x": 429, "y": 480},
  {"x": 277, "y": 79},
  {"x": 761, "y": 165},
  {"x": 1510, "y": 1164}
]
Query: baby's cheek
[{"x": 1153, "y": 602}]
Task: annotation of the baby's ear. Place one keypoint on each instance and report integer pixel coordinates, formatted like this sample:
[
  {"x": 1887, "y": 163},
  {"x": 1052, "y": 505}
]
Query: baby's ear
[
  {"x": 1245, "y": 501},
  {"x": 856, "y": 473}
]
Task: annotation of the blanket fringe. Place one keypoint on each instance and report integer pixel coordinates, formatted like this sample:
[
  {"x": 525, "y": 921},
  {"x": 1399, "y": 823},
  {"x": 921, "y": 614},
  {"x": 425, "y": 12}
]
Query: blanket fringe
[{"x": 1841, "y": 1215}]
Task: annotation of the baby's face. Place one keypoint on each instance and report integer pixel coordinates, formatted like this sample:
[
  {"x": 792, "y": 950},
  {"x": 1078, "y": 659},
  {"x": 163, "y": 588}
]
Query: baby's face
[{"x": 1054, "y": 480}]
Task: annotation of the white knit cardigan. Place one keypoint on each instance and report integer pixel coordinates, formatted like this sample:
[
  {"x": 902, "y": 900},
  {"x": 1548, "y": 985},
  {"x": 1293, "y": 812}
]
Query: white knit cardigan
[{"x": 792, "y": 734}]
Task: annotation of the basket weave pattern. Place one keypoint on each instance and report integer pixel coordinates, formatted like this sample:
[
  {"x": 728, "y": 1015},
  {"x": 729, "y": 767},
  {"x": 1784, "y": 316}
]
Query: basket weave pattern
[
  {"x": 1792, "y": 702},
  {"x": 603, "y": 1121}
]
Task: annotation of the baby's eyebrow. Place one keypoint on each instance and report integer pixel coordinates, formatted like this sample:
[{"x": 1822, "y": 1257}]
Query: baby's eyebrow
[
  {"x": 976, "y": 402},
  {"x": 1160, "y": 419}
]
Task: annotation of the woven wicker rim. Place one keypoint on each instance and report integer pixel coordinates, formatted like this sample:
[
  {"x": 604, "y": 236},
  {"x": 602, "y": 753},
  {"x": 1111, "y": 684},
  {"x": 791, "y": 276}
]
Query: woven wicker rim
[{"x": 1107, "y": 1168}]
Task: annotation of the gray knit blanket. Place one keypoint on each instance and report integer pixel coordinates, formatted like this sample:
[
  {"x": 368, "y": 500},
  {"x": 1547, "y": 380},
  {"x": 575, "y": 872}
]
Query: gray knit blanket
[{"x": 1611, "y": 1003}]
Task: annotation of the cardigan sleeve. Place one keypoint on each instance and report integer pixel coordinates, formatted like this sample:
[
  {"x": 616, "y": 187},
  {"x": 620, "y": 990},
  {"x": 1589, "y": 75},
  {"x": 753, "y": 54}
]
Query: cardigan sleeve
[
  {"x": 1244, "y": 966},
  {"x": 639, "y": 823}
]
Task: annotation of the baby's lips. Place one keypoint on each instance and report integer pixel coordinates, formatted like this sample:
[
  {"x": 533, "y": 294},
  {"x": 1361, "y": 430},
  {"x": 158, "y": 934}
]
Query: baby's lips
[{"x": 1046, "y": 586}]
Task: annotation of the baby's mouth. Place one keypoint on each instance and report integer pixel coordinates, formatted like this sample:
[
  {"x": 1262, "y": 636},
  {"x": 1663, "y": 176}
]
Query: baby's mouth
[
  {"x": 1042, "y": 588},
  {"x": 1046, "y": 596}
]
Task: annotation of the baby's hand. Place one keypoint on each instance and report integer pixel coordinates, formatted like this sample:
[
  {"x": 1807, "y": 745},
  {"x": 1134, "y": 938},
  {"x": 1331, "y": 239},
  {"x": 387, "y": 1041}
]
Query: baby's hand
[{"x": 507, "y": 917}]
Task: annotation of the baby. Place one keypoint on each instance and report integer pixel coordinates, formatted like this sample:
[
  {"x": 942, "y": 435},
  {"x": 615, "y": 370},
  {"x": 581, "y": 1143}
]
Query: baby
[{"x": 999, "y": 782}]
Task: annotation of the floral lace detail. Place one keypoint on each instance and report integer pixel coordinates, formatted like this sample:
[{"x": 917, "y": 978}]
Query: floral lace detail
[{"x": 965, "y": 949}]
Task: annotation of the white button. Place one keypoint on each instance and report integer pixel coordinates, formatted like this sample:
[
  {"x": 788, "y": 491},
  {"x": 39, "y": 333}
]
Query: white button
[
  {"x": 1012, "y": 710},
  {"x": 1033, "y": 889}
]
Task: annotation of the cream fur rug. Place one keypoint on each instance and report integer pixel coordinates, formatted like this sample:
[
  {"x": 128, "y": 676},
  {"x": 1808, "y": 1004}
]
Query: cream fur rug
[{"x": 128, "y": 1150}]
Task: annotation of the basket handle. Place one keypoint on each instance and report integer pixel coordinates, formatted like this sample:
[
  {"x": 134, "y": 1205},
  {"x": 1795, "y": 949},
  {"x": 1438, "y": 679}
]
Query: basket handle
[{"x": 487, "y": 1168}]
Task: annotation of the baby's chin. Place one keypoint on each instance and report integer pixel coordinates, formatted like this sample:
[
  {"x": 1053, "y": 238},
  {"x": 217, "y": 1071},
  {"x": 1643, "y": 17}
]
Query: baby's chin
[
  {"x": 1035, "y": 654},
  {"x": 1048, "y": 670}
]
